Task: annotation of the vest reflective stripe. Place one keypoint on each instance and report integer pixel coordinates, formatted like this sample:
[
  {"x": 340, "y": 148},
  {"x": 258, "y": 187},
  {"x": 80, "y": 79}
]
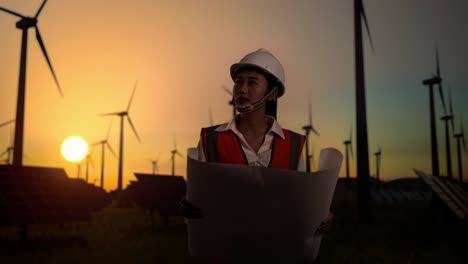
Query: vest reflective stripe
[
  {"x": 222, "y": 147},
  {"x": 287, "y": 153},
  {"x": 225, "y": 147},
  {"x": 210, "y": 136}
]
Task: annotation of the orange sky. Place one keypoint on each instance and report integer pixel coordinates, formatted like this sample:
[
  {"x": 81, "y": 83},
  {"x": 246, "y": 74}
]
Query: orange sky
[{"x": 180, "y": 53}]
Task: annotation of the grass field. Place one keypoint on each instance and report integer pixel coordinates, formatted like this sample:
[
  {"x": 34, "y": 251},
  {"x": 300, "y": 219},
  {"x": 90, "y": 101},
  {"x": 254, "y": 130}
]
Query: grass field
[{"x": 127, "y": 235}]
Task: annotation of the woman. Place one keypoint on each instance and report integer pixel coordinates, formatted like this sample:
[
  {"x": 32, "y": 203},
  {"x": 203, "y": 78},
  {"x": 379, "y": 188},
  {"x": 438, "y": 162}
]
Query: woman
[{"x": 253, "y": 137}]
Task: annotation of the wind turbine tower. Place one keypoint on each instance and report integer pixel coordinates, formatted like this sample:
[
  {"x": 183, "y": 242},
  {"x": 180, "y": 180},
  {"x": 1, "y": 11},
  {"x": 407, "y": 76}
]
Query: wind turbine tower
[
  {"x": 348, "y": 147},
  {"x": 307, "y": 129},
  {"x": 89, "y": 160},
  {"x": 363, "y": 193},
  {"x": 460, "y": 137},
  {"x": 24, "y": 24},
  {"x": 377, "y": 162}
]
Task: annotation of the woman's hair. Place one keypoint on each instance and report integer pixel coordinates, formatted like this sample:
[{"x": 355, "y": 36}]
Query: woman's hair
[{"x": 271, "y": 106}]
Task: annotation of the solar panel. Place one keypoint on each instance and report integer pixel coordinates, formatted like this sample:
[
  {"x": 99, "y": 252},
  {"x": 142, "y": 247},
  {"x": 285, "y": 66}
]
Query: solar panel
[
  {"x": 443, "y": 185},
  {"x": 458, "y": 191},
  {"x": 157, "y": 192},
  {"x": 444, "y": 193},
  {"x": 376, "y": 197},
  {"x": 39, "y": 195},
  {"x": 386, "y": 196},
  {"x": 396, "y": 196}
]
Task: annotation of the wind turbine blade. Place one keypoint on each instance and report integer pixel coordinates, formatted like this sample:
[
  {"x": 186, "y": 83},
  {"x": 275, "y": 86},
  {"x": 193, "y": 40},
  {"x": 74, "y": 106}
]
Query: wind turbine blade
[
  {"x": 351, "y": 134},
  {"x": 91, "y": 161},
  {"x": 451, "y": 108},
  {"x": 310, "y": 113},
  {"x": 363, "y": 13},
  {"x": 107, "y": 114},
  {"x": 40, "y": 9},
  {"x": 315, "y": 131},
  {"x": 44, "y": 51},
  {"x": 210, "y": 115},
  {"x": 440, "y": 84},
  {"x": 12, "y": 136},
  {"x": 4, "y": 152},
  {"x": 463, "y": 135},
  {"x": 110, "y": 148},
  {"x": 12, "y": 12},
  {"x": 441, "y": 92},
  {"x": 7, "y": 122},
  {"x": 133, "y": 128},
  {"x": 174, "y": 141},
  {"x": 461, "y": 123},
  {"x": 463, "y": 142},
  {"x": 227, "y": 90},
  {"x": 108, "y": 130},
  {"x": 450, "y": 101},
  {"x": 131, "y": 98},
  {"x": 178, "y": 153},
  {"x": 437, "y": 61}
]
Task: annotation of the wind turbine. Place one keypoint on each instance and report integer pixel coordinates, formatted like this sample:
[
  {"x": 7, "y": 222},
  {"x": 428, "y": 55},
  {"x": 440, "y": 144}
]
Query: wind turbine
[
  {"x": 307, "y": 129},
  {"x": 231, "y": 102},
  {"x": 363, "y": 193},
  {"x": 210, "y": 116},
  {"x": 377, "y": 159},
  {"x": 104, "y": 143},
  {"x": 460, "y": 137},
  {"x": 435, "y": 80},
  {"x": 447, "y": 118},
  {"x": 122, "y": 115},
  {"x": 155, "y": 165},
  {"x": 89, "y": 160},
  {"x": 312, "y": 159},
  {"x": 9, "y": 149},
  {"x": 348, "y": 146},
  {"x": 173, "y": 153},
  {"x": 8, "y": 153},
  {"x": 24, "y": 24}
]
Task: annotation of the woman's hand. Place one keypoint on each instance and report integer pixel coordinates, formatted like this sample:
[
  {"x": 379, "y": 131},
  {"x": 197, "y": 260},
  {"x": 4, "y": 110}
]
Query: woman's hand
[
  {"x": 325, "y": 226},
  {"x": 189, "y": 210}
]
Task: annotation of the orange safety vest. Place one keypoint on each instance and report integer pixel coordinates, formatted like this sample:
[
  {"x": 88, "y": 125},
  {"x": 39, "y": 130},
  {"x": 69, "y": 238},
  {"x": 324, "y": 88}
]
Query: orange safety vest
[{"x": 225, "y": 147}]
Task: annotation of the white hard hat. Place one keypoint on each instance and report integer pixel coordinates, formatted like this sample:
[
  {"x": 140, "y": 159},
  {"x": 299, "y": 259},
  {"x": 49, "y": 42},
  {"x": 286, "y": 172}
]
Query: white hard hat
[{"x": 265, "y": 61}]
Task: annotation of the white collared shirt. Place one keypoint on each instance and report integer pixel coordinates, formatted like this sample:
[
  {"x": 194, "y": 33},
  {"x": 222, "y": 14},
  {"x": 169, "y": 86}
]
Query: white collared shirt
[{"x": 263, "y": 156}]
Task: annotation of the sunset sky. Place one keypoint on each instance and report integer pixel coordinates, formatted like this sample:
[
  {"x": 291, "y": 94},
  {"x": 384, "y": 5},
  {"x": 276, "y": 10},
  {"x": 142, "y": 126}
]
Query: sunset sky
[{"x": 180, "y": 52}]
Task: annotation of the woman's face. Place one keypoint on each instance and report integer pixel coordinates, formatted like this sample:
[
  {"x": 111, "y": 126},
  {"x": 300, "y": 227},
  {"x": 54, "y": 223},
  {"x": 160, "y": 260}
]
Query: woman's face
[{"x": 249, "y": 87}]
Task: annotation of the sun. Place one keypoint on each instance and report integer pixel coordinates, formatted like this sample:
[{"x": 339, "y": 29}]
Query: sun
[{"x": 74, "y": 148}]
